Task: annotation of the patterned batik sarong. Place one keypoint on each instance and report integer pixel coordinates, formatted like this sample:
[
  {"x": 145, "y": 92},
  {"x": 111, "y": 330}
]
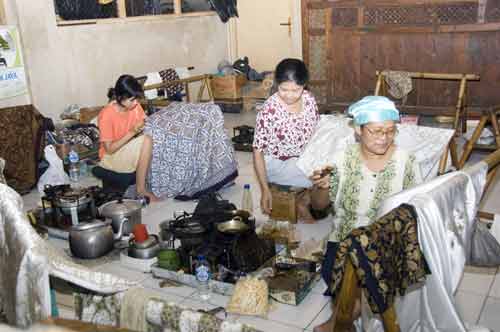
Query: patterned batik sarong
[
  {"x": 386, "y": 257},
  {"x": 192, "y": 154}
]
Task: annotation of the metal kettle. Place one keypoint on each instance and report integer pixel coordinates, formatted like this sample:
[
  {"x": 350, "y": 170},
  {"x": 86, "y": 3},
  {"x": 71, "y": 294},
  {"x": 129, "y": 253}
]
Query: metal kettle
[{"x": 94, "y": 239}]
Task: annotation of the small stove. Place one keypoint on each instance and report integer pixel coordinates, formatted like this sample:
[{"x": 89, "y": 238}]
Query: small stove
[
  {"x": 63, "y": 206},
  {"x": 229, "y": 255}
]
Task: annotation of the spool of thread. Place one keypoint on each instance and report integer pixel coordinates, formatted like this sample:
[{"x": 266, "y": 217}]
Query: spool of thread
[{"x": 140, "y": 233}]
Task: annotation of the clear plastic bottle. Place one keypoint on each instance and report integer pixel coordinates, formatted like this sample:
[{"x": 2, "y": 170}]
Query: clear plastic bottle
[
  {"x": 203, "y": 275},
  {"x": 74, "y": 165},
  {"x": 246, "y": 200}
]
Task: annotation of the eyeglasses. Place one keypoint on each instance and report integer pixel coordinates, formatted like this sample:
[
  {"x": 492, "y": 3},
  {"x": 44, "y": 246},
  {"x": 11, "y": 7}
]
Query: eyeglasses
[{"x": 379, "y": 132}]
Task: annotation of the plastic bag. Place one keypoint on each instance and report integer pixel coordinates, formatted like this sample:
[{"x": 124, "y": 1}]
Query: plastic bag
[
  {"x": 485, "y": 249},
  {"x": 55, "y": 174}
]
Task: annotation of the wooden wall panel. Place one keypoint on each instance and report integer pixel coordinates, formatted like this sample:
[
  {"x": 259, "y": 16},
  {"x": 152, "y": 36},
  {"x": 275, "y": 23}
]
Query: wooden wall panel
[{"x": 443, "y": 36}]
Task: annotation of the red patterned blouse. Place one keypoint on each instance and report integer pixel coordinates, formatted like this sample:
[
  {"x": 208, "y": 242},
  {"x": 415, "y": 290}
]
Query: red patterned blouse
[{"x": 282, "y": 134}]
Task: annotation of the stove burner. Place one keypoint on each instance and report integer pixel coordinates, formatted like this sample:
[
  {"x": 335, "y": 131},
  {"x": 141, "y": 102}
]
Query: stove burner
[{"x": 237, "y": 252}]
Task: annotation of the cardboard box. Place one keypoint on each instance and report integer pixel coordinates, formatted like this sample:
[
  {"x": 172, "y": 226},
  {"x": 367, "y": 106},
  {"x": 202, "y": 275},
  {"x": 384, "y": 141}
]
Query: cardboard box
[
  {"x": 284, "y": 202},
  {"x": 227, "y": 87}
]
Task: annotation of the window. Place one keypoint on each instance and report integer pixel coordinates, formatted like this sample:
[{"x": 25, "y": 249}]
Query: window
[{"x": 71, "y": 10}]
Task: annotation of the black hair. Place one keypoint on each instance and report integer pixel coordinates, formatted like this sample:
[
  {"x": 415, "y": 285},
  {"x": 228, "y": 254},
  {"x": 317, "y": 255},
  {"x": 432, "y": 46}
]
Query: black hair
[
  {"x": 126, "y": 87},
  {"x": 294, "y": 70}
]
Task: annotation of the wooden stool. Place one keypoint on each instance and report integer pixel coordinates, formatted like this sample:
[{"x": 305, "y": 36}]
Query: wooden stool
[{"x": 284, "y": 202}]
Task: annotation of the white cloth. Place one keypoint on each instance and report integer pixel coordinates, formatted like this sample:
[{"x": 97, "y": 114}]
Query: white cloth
[
  {"x": 446, "y": 208},
  {"x": 27, "y": 261},
  {"x": 285, "y": 172},
  {"x": 334, "y": 132},
  {"x": 152, "y": 78}
]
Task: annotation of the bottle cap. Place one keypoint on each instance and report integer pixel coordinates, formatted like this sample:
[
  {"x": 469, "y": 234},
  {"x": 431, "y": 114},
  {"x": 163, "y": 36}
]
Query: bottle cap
[{"x": 246, "y": 186}]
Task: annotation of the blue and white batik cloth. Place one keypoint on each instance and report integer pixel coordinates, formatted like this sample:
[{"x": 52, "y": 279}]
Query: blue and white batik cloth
[{"x": 192, "y": 154}]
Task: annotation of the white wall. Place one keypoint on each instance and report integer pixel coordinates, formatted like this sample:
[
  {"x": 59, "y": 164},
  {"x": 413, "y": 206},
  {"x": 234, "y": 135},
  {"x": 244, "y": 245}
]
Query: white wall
[{"x": 77, "y": 64}]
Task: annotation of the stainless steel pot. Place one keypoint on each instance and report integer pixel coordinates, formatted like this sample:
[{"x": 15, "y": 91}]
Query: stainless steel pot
[
  {"x": 91, "y": 240},
  {"x": 138, "y": 251},
  {"x": 128, "y": 211}
]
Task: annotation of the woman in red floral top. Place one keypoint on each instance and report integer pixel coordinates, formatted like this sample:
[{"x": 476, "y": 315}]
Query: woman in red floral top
[{"x": 283, "y": 127}]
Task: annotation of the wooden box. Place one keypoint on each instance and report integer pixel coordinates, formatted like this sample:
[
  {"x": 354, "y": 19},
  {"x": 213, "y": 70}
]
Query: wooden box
[
  {"x": 284, "y": 203},
  {"x": 88, "y": 113},
  {"x": 227, "y": 87}
]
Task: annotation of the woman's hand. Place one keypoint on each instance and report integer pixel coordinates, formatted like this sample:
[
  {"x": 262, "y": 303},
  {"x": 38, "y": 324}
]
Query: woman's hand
[
  {"x": 266, "y": 202},
  {"x": 138, "y": 127},
  {"x": 152, "y": 197},
  {"x": 321, "y": 178}
]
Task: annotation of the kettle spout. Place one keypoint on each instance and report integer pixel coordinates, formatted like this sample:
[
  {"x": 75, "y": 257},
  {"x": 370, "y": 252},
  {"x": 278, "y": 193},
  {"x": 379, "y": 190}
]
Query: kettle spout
[{"x": 119, "y": 234}]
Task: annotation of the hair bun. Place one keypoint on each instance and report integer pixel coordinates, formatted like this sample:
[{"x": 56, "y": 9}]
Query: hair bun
[{"x": 111, "y": 93}]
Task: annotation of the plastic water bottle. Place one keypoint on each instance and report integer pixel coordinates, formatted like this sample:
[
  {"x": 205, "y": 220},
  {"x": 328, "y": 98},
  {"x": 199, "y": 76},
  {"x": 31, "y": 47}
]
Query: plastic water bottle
[
  {"x": 203, "y": 275},
  {"x": 246, "y": 200},
  {"x": 74, "y": 169}
]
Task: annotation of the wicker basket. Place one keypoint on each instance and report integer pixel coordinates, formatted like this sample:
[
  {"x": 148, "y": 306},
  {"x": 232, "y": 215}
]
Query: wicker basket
[{"x": 227, "y": 87}]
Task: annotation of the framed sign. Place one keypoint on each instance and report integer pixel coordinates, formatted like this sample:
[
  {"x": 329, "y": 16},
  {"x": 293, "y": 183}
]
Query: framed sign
[{"x": 12, "y": 74}]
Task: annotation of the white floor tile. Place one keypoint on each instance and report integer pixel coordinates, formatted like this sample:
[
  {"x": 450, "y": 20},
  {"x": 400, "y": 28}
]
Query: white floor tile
[
  {"x": 495, "y": 287},
  {"x": 469, "y": 306},
  {"x": 300, "y": 316},
  {"x": 265, "y": 325},
  {"x": 319, "y": 287},
  {"x": 322, "y": 317},
  {"x": 490, "y": 316},
  {"x": 476, "y": 283}
]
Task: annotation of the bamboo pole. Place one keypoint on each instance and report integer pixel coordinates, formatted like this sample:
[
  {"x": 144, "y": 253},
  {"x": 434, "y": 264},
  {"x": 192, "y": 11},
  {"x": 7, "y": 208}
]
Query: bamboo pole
[
  {"x": 493, "y": 159},
  {"x": 181, "y": 81},
  {"x": 440, "y": 76}
]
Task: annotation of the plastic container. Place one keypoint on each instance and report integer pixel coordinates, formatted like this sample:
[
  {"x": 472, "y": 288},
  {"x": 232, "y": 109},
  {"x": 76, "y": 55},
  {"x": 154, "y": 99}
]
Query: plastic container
[
  {"x": 203, "y": 275},
  {"x": 74, "y": 165},
  {"x": 246, "y": 200}
]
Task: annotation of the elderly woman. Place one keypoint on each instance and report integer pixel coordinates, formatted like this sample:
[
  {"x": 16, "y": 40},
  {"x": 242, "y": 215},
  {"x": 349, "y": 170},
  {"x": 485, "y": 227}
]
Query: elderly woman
[
  {"x": 363, "y": 174},
  {"x": 283, "y": 127}
]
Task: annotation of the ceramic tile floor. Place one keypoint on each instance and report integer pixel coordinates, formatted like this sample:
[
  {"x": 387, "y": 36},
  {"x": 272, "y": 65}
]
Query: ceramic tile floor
[{"x": 478, "y": 296}]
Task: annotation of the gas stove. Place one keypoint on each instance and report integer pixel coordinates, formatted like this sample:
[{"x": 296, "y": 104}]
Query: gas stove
[
  {"x": 229, "y": 255},
  {"x": 64, "y": 206}
]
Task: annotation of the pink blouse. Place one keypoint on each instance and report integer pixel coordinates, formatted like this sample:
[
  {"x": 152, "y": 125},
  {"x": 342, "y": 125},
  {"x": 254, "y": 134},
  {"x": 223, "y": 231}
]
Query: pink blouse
[{"x": 282, "y": 134}]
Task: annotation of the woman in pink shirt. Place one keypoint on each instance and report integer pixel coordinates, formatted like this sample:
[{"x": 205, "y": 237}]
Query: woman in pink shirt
[{"x": 283, "y": 127}]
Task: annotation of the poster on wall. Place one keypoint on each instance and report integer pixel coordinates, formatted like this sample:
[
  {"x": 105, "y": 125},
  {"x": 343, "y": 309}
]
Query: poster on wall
[{"x": 12, "y": 74}]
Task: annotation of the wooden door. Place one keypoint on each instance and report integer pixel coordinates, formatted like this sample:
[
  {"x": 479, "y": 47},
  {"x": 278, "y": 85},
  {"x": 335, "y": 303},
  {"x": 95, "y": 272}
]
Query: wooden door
[{"x": 265, "y": 32}]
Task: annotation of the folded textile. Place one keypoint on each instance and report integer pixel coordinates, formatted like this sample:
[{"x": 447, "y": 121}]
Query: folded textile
[{"x": 133, "y": 310}]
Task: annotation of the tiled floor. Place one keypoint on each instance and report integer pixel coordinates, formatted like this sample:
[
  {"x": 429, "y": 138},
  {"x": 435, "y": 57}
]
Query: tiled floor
[{"x": 478, "y": 296}]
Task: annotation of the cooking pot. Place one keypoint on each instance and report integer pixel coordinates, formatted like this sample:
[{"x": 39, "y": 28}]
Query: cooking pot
[
  {"x": 236, "y": 225},
  {"x": 127, "y": 210},
  {"x": 136, "y": 250},
  {"x": 92, "y": 240}
]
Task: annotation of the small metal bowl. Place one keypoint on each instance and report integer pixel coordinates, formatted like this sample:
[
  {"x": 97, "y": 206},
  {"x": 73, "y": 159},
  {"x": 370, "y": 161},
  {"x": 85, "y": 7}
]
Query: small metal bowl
[{"x": 144, "y": 253}]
